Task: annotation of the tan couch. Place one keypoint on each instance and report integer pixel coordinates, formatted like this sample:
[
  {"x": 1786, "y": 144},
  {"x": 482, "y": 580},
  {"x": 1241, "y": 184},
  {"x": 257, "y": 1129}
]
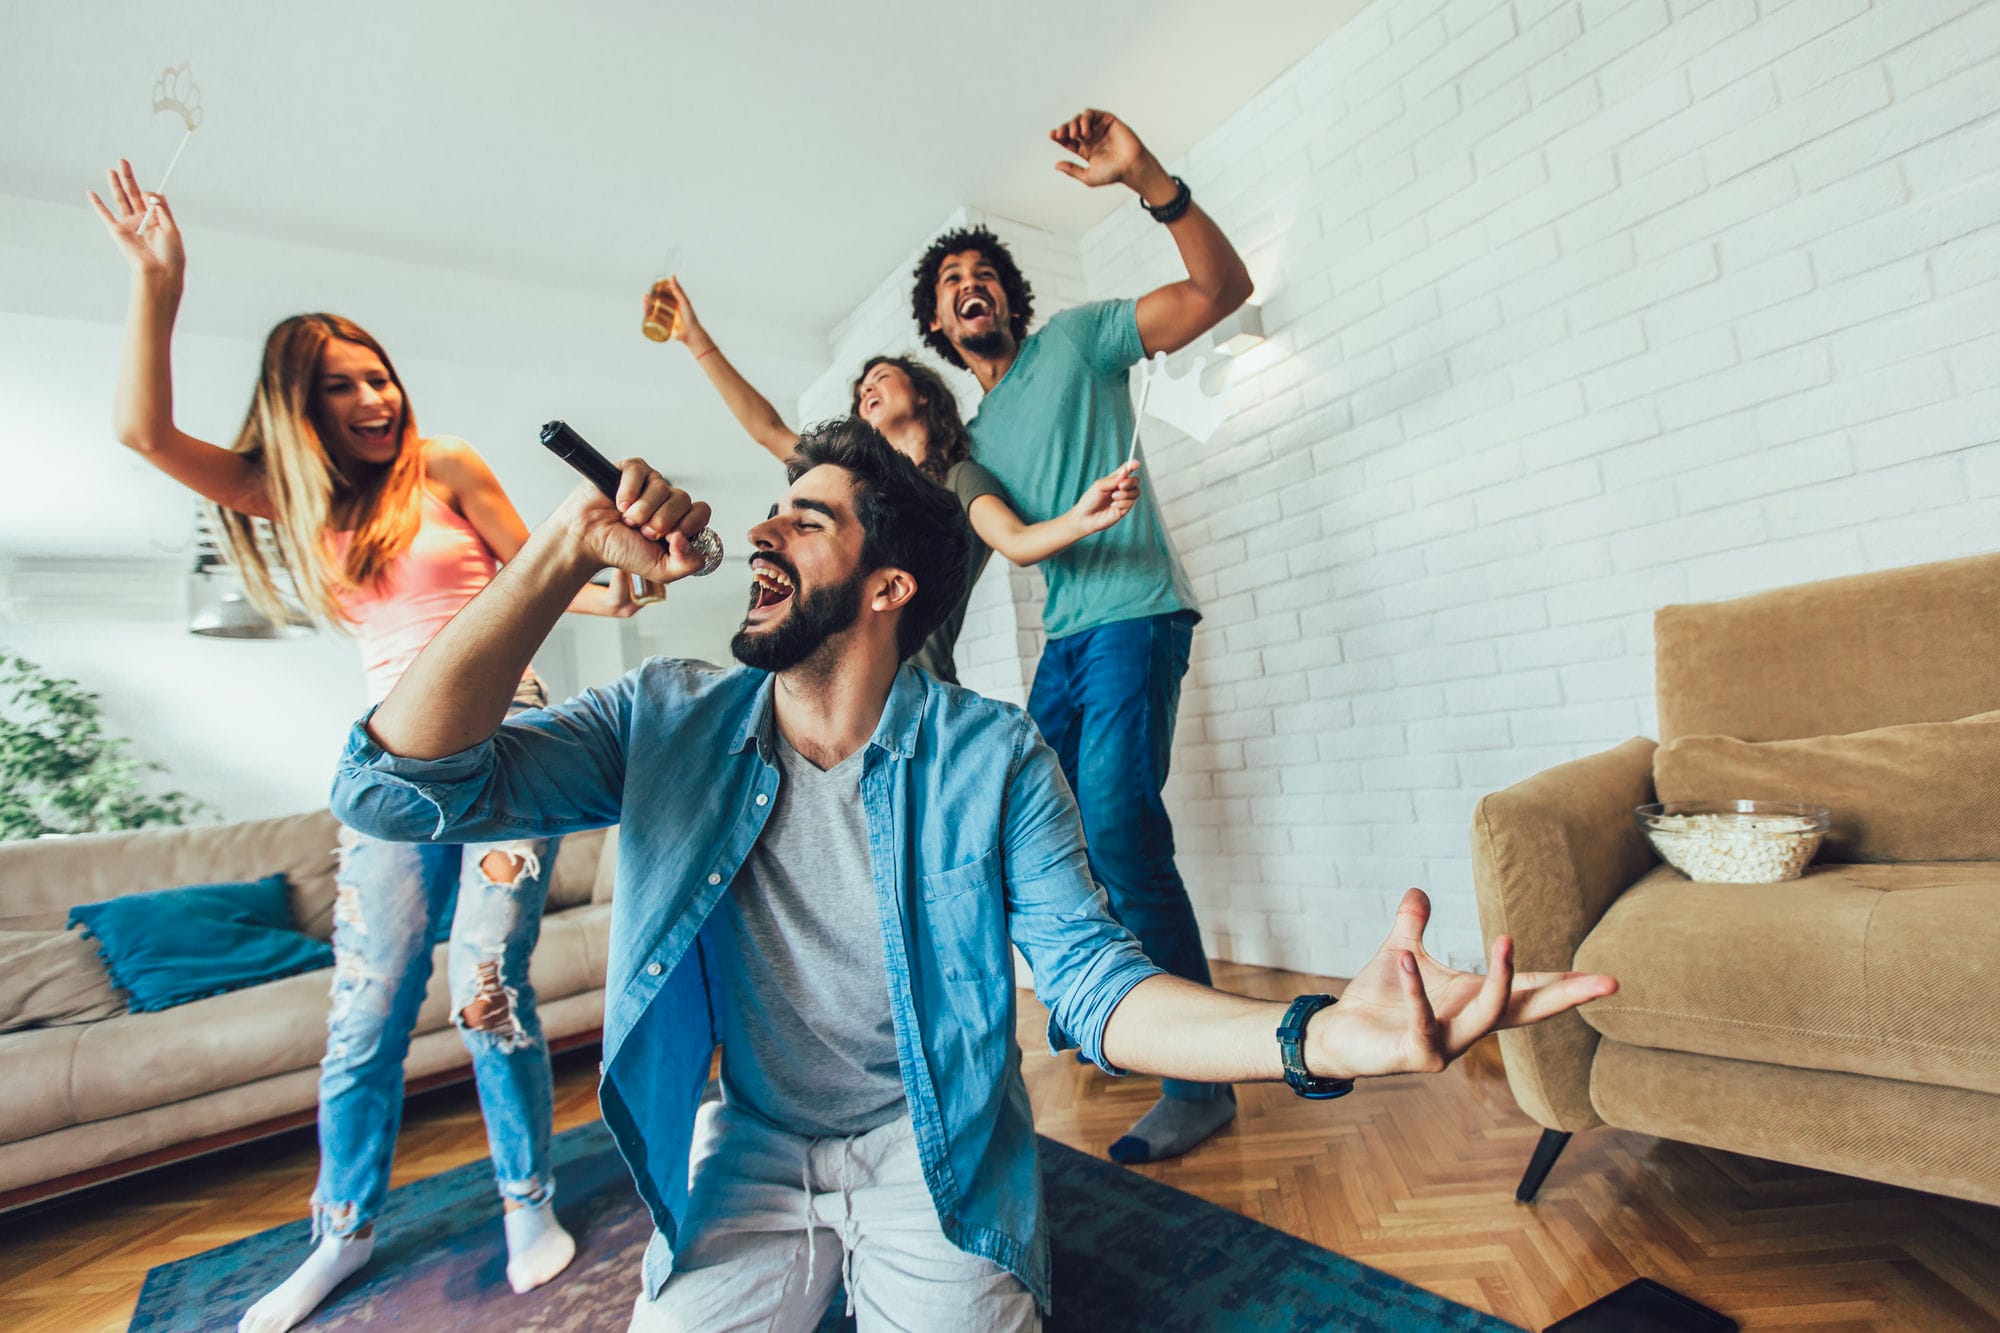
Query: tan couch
[
  {"x": 88, "y": 1101},
  {"x": 1848, "y": 1020}
]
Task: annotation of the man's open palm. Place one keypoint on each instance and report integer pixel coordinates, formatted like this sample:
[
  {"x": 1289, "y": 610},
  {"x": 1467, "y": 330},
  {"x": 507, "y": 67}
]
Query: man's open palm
[
  {"x": 1405, "y": 1012},
  {"x": 1105, "y": 143}
]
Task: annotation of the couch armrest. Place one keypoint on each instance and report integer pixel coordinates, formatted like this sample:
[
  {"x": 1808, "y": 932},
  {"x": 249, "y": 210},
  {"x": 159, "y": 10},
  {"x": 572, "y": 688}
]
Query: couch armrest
[{"x": 1549, "y": 856}]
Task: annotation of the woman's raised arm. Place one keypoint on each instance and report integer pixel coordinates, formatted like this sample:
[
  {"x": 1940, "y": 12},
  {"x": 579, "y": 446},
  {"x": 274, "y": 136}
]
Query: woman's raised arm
[{"x": 143, "y": 415}]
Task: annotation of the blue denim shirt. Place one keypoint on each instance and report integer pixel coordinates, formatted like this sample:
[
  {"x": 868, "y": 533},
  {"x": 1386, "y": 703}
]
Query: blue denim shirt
[{"x": 974, "y": 838}]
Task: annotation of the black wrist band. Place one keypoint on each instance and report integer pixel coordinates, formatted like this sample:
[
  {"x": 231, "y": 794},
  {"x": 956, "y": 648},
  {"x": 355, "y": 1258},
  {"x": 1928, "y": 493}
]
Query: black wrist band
[
  {"x": 1171, "y": 210},
  {"x": 1291, "y": 1050}
]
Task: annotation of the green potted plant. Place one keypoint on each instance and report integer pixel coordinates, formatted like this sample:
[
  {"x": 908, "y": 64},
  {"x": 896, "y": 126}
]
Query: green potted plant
[{"x": 60, "y": 773}]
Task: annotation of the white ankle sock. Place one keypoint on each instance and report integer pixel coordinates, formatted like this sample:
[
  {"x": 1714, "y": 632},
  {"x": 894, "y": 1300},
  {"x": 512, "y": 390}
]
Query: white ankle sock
[
  {"x": 331, "y": 1261},
  {"x": 537, "y": 1246}
]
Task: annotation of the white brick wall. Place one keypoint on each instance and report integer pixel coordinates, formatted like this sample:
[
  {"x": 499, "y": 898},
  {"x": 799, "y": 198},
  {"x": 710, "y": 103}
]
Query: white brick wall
[{"x": 1575, "y": 308}]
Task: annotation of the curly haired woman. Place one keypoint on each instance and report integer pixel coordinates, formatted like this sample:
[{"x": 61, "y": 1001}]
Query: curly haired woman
[{"x": 913, "y": 408}]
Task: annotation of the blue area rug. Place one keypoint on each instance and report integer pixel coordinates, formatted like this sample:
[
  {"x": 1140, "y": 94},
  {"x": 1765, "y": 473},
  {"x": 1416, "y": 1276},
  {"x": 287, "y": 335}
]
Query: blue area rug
[{"x": 1129, "y": 1253}]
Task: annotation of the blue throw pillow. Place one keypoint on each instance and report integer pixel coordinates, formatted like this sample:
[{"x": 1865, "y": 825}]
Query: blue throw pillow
[{"x": 174, "y": 945}]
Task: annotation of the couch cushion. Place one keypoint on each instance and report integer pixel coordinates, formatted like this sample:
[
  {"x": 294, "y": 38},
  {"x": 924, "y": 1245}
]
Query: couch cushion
[
  {"x": 1892, "y": 970},
  {"x": 1919, "y": 644},
  {"x": 1925, "y": 791},
  {"x": 50, "y": 977},
  {"x": 71, "y": 1075},
  {"x": 1914, "y": 1134},
  {"x": 606, "y": 882},
  {"x": 116, "y": 1142},
  {"x": 575, "y": 869},
  {"x": 46, "y": 878}
]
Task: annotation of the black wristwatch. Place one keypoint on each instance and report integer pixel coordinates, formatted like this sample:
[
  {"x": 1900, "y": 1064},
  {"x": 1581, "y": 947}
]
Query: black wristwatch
[{"x": 1291, "y": 1048}]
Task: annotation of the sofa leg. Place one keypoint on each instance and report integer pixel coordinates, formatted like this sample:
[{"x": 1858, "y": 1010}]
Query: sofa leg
[{"x": 1546, "y": 1152}]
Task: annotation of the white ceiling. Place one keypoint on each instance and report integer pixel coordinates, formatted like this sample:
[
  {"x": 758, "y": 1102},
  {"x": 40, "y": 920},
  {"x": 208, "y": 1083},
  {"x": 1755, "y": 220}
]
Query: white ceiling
[
  {"x": 792, "y": 152},
  {"x": 487, "y": 186}
]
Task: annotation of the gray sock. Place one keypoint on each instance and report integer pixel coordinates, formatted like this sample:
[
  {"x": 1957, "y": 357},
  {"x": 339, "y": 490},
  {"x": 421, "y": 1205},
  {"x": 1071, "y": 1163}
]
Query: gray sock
[{"x": 1174, "y": 1125}]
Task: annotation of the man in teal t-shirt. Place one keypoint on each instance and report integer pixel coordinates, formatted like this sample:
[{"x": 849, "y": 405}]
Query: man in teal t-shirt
[{"x": 1120, "y": 615}]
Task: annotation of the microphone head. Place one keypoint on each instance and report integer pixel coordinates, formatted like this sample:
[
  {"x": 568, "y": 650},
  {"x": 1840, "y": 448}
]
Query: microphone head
[{"x": 710, "y": 547}]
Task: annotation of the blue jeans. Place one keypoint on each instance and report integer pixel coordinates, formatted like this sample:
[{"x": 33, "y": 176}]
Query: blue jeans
[
  {"x": 390, "y": 899},
  {"x": 1105, "y": 700}
]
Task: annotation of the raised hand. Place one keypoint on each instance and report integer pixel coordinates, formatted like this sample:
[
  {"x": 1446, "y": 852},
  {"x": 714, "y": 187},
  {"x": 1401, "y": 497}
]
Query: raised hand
[
  {"x": 1109, "y": 499},
  {"x": 649, "y": 531},
  {"x": 1110, "y": 151},
  {"x": 687, "y": 329},
  {"x": 156, "y": 252},
  {"x": 1405, "y": 1012}
]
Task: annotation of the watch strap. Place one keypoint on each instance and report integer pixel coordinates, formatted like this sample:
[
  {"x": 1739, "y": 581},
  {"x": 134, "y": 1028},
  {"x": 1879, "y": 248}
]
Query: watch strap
[
  {"x": 1172, "y": 210},
  {"x": 1291, "y": 1049}
]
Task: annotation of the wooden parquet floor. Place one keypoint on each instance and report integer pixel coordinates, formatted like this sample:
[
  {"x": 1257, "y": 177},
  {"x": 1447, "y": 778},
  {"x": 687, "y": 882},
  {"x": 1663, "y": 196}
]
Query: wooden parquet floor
[
  {"x": 1416, "y": 1176},
  {"x": 1413, "y": 1176},
  {"x": 75, "y": 1265}
]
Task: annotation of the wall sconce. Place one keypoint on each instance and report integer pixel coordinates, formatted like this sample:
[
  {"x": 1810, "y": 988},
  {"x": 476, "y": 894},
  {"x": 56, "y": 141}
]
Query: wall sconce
[{"x": 1241, "y": 331}]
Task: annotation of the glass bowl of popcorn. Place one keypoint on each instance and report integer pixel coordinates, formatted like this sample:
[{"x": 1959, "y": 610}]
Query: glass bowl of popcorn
[{"x": 1736, "y": 842}]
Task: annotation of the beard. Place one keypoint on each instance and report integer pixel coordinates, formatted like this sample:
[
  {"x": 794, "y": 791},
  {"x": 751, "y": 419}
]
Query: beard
[
  {"x": 991, "y": 343},
  {"x": 815, "y": 618}
]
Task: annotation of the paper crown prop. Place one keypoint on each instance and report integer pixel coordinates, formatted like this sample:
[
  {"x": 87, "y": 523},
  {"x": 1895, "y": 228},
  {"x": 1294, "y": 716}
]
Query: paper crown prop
[
  {"x": 1180, "y": 401},
  {"x": 176, "y": 91}
]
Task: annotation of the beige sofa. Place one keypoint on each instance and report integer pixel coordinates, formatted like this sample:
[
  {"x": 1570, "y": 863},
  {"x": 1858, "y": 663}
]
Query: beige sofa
[
  {"x": 90, "y": 1101},
  {"x": 1848, "y": 1020}
]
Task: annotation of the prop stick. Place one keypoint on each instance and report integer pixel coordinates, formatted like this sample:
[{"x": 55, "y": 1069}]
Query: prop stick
[
  {"x": 153, "y": 195},
  {"x": 176, "y": 91},
  {"x": 1153, "y": 367}
]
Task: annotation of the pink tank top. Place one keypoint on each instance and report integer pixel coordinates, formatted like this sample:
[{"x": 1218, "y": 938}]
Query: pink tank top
[{"x": 443, "y": 569}]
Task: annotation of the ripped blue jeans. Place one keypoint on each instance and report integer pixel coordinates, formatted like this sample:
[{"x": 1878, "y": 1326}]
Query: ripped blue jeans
[{"x": 390, "y": 899}]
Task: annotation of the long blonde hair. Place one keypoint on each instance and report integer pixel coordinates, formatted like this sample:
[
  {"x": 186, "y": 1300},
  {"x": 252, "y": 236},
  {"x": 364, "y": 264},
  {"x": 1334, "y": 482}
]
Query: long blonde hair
[{"x": 307, "y": 481}]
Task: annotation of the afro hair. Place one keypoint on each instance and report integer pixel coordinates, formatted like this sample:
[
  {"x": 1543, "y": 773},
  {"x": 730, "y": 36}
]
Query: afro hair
[{"x": 923, "y": 297}]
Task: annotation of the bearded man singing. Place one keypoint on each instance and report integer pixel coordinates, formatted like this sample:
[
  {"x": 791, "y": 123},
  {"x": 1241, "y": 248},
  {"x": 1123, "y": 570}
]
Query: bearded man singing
[{"x": 824, "y": 856}]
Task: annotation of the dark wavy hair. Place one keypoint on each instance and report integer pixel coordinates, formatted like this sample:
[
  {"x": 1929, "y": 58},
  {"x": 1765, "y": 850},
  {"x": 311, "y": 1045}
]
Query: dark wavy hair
[
  {"x": 923, "y": 298},
  {"x": 947, "y": 443},
  {"x": 908, "y": 521}
]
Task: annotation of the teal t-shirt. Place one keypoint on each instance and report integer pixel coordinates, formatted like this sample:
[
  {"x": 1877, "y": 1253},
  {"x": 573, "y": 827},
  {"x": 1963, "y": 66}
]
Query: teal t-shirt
[{"x": 1060, "y": 418}]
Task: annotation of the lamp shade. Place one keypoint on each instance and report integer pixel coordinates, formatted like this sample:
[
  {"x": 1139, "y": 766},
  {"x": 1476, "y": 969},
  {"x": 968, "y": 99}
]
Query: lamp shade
[
  {"x": 219, "y": 608},
  {"x": 218, "y": 605}
]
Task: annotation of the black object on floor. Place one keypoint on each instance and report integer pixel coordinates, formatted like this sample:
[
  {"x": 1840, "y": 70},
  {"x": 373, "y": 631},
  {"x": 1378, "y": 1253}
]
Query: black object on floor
[
  {"x": 1643, "y": 1306},
  {"x": 1547, "y": 1149}
]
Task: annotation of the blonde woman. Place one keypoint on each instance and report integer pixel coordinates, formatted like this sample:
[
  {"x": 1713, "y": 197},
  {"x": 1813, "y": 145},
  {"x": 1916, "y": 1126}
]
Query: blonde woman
[
  {"x": 912, "y": 407},
  {"x": 386, "y": 534}
]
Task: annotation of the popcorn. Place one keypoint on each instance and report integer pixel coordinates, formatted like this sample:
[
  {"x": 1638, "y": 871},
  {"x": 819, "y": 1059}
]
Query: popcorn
[{"x": 1736, "y": 848}]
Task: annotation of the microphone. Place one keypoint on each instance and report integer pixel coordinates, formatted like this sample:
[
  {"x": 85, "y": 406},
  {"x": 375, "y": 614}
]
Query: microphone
[{"x": 601, "y": 472}]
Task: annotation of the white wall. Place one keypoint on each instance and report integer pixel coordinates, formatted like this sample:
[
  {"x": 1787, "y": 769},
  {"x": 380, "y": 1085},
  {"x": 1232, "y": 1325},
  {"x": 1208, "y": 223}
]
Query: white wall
[
  {"x": 254, "y": 728},
  {"x": 1575, "y": 308}
]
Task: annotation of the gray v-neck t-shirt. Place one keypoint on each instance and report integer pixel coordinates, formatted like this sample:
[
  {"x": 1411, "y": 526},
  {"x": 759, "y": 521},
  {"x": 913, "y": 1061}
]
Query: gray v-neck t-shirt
[{"x": 807, "y": 1038}]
